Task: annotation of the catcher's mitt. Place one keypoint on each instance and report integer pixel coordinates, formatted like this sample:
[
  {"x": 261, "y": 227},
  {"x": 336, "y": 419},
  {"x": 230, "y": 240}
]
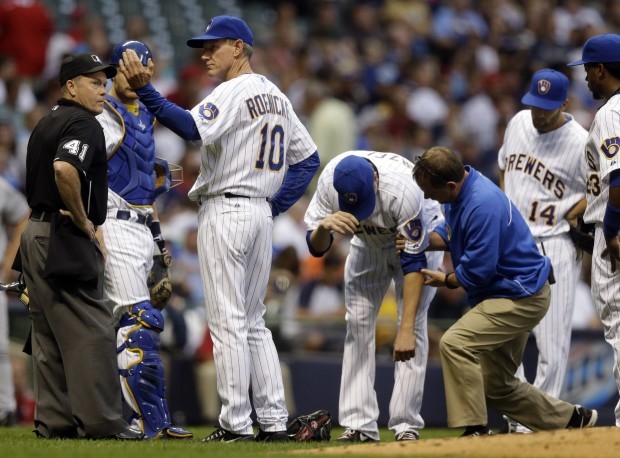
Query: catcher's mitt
[
  {"x": 159, "y": 283},
  {"x": 314, "y": 427},
  {"x": 581, "y": 239}
]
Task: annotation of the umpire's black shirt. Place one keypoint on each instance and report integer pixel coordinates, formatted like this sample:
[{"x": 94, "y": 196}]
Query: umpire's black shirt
[{"x": 72, "y": 134}]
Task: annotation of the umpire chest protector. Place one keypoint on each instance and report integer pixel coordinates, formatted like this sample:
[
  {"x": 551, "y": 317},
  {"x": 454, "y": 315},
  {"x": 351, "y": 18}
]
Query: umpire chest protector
[{"x": 131, "y": 172}]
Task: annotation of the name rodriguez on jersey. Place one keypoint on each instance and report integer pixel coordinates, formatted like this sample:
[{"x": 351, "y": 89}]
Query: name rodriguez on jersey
[{"x": 535, "y": 168}]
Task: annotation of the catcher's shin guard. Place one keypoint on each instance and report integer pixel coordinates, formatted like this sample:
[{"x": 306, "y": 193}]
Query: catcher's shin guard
[{"x": 142, "y": 372}]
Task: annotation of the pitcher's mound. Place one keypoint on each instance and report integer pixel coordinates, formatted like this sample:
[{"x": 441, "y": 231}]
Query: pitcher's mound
[{"x": 601, "y": 442}]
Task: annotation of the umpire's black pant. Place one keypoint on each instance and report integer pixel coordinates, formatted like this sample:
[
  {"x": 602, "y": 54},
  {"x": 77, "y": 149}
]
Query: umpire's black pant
[{"x": 77, "y": 389}]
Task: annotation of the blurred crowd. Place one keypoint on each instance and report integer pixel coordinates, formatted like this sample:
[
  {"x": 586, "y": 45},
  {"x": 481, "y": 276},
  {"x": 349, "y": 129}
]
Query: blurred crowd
[{"x": 383, "y": 75}]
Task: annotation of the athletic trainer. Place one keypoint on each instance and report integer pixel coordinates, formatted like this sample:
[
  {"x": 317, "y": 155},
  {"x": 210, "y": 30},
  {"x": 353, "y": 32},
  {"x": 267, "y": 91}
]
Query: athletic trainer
[{"x": 498, "y": 264}]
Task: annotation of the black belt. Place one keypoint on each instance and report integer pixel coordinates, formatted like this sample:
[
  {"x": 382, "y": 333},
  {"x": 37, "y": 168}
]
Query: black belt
[
  {"x": 228, "y": 195},
  {"x": 140, "y": 219},
  {"x": 39, "y": 215}
]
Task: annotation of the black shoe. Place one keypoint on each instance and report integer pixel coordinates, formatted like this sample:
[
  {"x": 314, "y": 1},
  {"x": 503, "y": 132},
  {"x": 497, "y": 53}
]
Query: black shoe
[
  {"x": 221, "y": 435},
  {"x": 583, "y": 418},
  {"x": 128, "y": 434},
  {"x": 272, "y": 436},
  {"x": 477, "y": 430},
  {"x": 351, "y": 435}
]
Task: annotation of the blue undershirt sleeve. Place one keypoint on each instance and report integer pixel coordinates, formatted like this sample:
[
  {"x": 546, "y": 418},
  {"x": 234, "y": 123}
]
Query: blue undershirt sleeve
[
  {"x": 412, "y": 262},
  {"x": 175, "y": 118},
  {"x": 313, "y": 252},
  {"x": 296, "y": 181}
]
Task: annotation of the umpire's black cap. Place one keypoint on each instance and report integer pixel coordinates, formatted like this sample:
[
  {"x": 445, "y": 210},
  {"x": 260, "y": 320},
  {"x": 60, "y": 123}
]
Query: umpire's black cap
[{"x": 83, "y": 64}]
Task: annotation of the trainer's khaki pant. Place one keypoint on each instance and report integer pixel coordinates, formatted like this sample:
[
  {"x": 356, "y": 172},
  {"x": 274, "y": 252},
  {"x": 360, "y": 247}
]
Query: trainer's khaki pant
[{"x": 480, "y": 354}]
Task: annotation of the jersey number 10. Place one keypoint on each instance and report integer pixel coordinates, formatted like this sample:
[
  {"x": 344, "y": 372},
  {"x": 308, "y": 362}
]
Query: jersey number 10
[{"x": 276, "y": 148}]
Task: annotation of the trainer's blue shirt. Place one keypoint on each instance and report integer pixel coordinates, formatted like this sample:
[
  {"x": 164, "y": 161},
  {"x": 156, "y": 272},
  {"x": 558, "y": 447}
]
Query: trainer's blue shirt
[{"x": 493, "y": 251}]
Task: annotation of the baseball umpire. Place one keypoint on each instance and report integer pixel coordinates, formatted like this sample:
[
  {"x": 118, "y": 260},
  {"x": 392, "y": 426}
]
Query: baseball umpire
[{"x": 78, "y": 393}]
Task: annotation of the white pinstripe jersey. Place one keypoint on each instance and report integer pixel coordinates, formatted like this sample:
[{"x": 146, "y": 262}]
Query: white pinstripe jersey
[
  {"x": 249, "y": 134},
  {"x": 602, "y": 157},
  {"x": 400, "y": 206},
  {"x": 544, "y": 174}
]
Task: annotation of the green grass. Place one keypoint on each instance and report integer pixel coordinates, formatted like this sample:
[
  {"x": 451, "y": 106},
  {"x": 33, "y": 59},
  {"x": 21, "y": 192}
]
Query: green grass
[{"x": 21, "y": 443}]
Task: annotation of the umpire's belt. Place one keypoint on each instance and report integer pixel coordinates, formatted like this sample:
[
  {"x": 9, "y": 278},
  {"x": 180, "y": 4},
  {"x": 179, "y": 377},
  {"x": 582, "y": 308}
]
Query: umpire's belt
[
  {"x": 39, "y": 215},
  {"x": 140, "y": 219}
]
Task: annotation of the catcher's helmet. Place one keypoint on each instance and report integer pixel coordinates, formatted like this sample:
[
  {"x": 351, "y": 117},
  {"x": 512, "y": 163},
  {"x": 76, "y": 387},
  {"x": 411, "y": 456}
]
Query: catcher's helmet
[{"x": 142, "y": 50}]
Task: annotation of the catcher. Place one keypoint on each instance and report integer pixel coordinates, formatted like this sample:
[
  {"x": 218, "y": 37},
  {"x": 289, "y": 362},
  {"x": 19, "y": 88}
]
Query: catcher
[
  {"x": 137, "y": 283},
  {"x": 315, "y": 427}
]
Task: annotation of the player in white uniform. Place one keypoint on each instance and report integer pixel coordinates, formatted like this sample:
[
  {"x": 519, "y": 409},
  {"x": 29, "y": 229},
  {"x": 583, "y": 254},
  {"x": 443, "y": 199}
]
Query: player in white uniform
[
  {"x": 601, "y": 58},
  {"x": 129, "y": 233},
  {"x": 543, "y": 172},
  {"x": 373, "y": 197},
  {"x": 257, "y": 160}
]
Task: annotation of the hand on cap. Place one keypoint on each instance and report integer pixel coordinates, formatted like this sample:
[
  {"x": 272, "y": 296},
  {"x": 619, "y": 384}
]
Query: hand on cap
[
  {"x": 341, "y": 222},
  {"x": 137, "y": 75}
]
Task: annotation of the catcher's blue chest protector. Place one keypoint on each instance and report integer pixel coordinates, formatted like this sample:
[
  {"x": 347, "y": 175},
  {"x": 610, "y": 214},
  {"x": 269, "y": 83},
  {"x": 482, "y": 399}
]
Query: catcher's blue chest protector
[{"x": 131, "y": 172}]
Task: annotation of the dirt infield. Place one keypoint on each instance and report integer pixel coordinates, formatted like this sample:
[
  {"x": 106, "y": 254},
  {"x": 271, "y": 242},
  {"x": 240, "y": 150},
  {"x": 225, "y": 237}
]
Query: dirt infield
[{"x": 586, "y": 443}]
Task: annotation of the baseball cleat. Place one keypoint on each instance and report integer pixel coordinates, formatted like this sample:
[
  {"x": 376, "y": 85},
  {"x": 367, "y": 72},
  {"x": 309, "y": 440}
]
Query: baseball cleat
[
  {"x": 477, "y": 430},
  {"x": 351, "y": 435},
  {"x": 407, "y": 436},
  {"x": 174, "y": 432},
  {"x": 221, "y": 435},
  {"x": 272, "y": 436}
]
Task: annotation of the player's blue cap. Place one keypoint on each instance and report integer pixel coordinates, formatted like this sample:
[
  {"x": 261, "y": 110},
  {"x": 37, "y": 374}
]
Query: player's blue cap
[
  {"x": 548, "y": 91},
  {"x": 354, "y": 180},
  {"x": 598, "y": 49},
  {"x": 224, "y": 27},
  {"x": 142, "y": 50}
]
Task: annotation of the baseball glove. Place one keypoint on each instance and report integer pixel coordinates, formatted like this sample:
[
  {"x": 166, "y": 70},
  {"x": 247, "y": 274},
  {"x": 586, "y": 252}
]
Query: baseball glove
[
  {"x": 581, "y": 239},
  {"x": 159, "y": 283},
  {"x": 314, "y": 427}
]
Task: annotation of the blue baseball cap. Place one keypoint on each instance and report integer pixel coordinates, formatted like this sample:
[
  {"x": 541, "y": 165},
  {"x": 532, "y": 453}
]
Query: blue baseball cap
[
  {"x": 548, "y": 91},
  {"x": 354, "y": 180},
  {"x": 598, "y": 49},
  {"x": 223, "y": 27}
]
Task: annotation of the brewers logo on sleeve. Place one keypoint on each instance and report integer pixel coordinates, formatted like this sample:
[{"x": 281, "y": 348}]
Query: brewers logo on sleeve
[{"x": 209, "y": 111}]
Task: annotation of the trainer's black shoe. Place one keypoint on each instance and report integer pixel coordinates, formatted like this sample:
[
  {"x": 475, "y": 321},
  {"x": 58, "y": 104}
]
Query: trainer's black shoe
[
  {"x": 352, "y": 435},
  {"x": 272, "y": 436},
  {"x": 582, "y": 418},
  {"x": 221, "y": 435},
  {"x": 477, "y": 430}
]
